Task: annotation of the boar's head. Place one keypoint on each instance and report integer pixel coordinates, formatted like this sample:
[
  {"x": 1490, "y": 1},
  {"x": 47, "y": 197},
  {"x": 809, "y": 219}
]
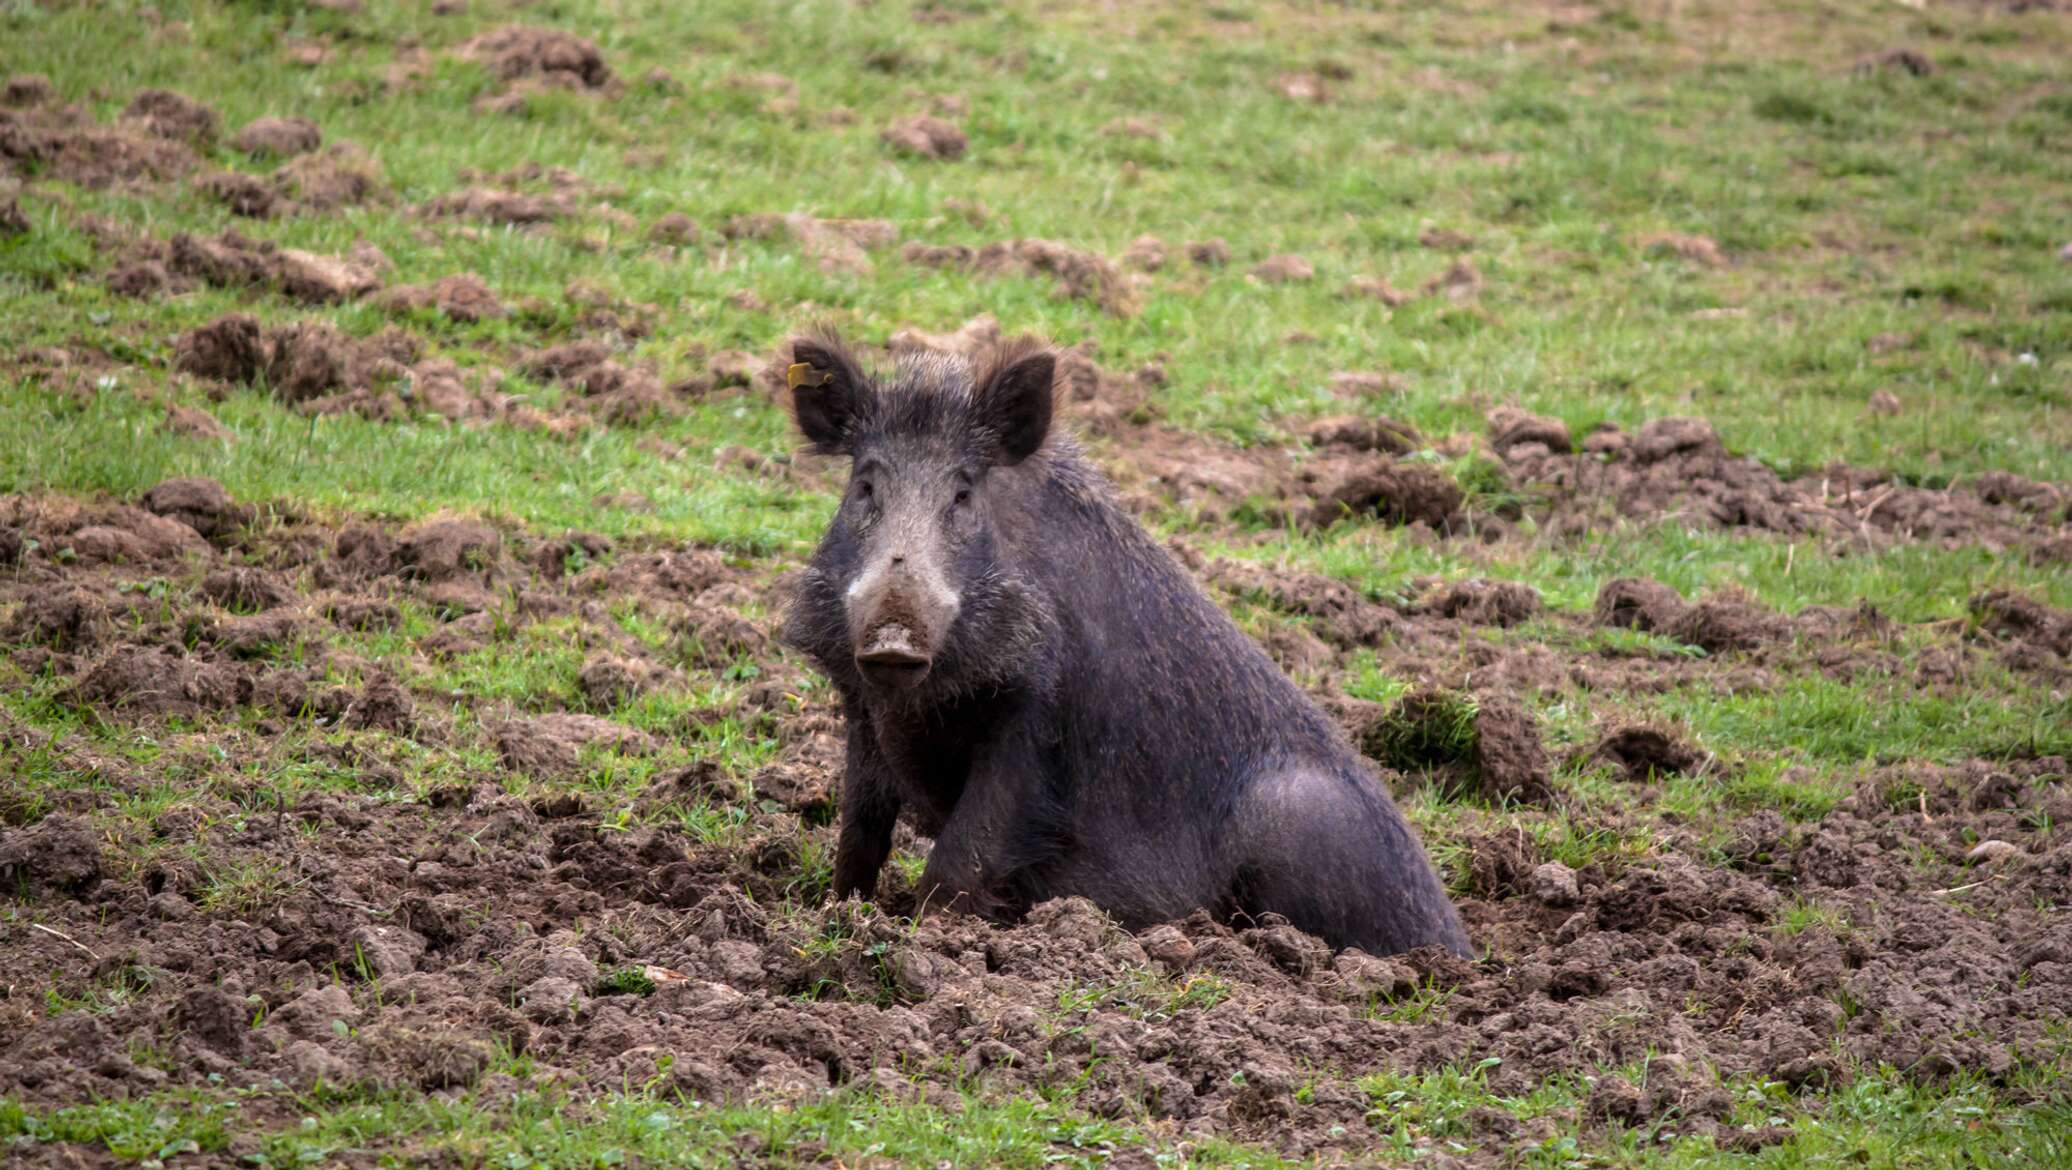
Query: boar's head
[{"x": 913, "y": 590}]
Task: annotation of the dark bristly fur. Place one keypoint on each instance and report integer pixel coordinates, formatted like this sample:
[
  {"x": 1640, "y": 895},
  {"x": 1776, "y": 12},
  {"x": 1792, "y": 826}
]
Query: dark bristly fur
[{"x": 1089, "y": 722}]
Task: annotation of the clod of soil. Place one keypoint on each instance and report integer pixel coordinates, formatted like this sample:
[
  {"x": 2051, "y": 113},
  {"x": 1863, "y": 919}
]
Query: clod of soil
[
  {"x": 1461, "y": 281},
  {"x": 1637, "y": 603},
  {"x": 171, "y": 115},
  {"x": 551, "y": 54},
  {"x": 49, "y": 141},
  {"x": 1484, "y": 602},
  {"x": 1720, "y": 626},
  {"x": 1642, "y": 752},
  {"x": 245, "y": 195},
  {"x": 675, "y": 228},
  {"x": 27, "y": 89},
  {"x": 201, "y": 504},
  {"x": 231, "y": 260},
  {"x": 1284, "y": 269},
  {"x": 1385, "y": 436},
  {"x": 511, "y": 208},
  {"x": 926, "y": 136},
  {"x": 1397, "y": 492},
  {"x": 1694, "y": 249},
  {"x": 1082, "y": 275},
  {"x": 461, "y": 297},
  {"x": 59, "y": 854},
  {"x": 1511, "y": 428},
  {"x": 1145, "y": 254},
  {"x": 1488, "y": 745},
  {"x": 1213, "y": 253},
  {"x": 340, "y": 175},
  {"x": 1375, "y": 288},
  {"x": 2010, "y": 615},
  {"x": 278, "y": 137}
]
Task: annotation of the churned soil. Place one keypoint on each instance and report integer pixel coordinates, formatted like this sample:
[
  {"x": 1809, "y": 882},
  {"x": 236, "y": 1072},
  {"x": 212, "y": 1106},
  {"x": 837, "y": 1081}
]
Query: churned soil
[{"x": 416, "y": 930}]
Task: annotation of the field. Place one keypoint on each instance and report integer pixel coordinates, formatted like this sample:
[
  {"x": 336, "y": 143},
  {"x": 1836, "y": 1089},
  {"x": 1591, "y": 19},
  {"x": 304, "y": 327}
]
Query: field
[{"x": 1646, "y": 427}]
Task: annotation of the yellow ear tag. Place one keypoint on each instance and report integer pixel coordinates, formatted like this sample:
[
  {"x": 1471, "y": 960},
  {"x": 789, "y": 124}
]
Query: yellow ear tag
[{"x": 803, "y": 374}]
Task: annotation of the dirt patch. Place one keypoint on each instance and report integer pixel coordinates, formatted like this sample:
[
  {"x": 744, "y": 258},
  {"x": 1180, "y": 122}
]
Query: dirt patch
[
  {"x": 414, "y": 933},
  {"x": 1642, "y": 752},
  {"x": 278, "y": 137},
  {"x": 461, "y": 297},
  {"x": 1483, "y": 602},
  {"x": 551, "y": 54},
  {"x": 509, "y": 208},
  {"x": 42, "y": 139},
  {"x": 166, "y": 114},
  {"x": 342, "y": 174},
  {"x": 231, "y": 260},
  {"x": 1487, "y": 745},
  {"x": 840, "y": 246},
  {"x": 1284, "y": 270},
  {"x": 926, "y": 136},
  {"x": 1397, "y": 492},
  {"x": 1700, "y": 250},
  {"x": 1080, "y": 274},
  {"x": 1677, "y": 470}
]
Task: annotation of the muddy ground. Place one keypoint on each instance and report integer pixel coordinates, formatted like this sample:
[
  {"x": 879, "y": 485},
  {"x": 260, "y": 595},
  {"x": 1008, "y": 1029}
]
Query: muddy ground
[
  {"x": 410, "y": 937},
  {"x": 411, "y": 933}
]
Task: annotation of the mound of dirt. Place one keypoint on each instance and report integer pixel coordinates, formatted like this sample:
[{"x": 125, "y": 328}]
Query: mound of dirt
[
  {"x": 1677, "y": 469},
  {"x": 278, "y": 137},
  {"x": 245, "y": 195},
  {"x": 676, "y": 229},
  {"x": 550, "y": 54},
  {"x": 1284, "y": 269},
  {"x": 1488, "y": 746},
  {"x": 172, "y": 115},
  {"x": 1636, "y": 603},
  {"x": 1512, "y": 430},
  {"x": 2010, "y": 615},
  {"x": 510, "y": 208},
  {"x": 58, "y": 855},
  {"x": 313, "y": 366},
  {"x": 610, "y": 390},
  {"x": 1484, "y": 602},
  {"x": 925, "y": 136},
  {"x": 837, "y": 245},
  {"x": 231, "y": 260},
  {"x": 199, "y": 503},
  {"x": 45, "y": 140},
  {"x": 1081, "y": 275},
  {"x": 1397, "y": 492},
  {"x": 63, "y": 619},
  {"x": 1384, "y": 436},
  {"x": 1374, "y": 288},
  {"x": 1641, "y": 752},
  {"x": 342, "y": 174},
  {"x": 461, "y": 297}
]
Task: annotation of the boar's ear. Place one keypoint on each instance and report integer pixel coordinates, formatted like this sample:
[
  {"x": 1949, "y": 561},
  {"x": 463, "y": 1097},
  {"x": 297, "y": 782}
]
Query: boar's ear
[
  {"x": 1014, "y": 399},
  {"x": 828, "y": 391}
]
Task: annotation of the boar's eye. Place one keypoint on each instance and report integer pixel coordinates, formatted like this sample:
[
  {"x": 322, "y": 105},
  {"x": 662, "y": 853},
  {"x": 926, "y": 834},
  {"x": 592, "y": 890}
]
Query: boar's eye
[
  {"x": 864, "y": 491},
  {"x": 963, "y": 496}
]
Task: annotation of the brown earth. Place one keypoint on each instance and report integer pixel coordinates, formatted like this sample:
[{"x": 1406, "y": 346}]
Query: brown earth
[{"x": 412, "y": 930}]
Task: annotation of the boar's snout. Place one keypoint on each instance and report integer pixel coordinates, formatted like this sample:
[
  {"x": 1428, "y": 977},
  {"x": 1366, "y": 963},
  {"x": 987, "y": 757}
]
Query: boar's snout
[
  {"x": 900, "y": 618},
  {"x": 891, "y": 657}
]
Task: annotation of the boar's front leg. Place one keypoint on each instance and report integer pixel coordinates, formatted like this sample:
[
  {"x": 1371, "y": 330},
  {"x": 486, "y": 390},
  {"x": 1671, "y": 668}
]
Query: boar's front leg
[
  {"x": 1008, "y": 824},
  {"x": 870, "y": 808}
]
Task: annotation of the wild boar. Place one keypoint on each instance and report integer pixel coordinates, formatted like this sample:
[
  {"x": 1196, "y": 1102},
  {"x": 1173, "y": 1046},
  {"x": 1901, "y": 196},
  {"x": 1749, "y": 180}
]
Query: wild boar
[{"x": 1040, "y": 686}]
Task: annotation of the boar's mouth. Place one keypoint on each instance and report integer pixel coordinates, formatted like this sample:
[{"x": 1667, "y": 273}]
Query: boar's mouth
[{"x": 891, "y": 658}]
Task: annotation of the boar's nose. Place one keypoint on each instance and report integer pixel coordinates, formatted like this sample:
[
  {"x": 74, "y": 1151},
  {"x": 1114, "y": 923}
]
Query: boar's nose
[{"x": 890, "y": 657}]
